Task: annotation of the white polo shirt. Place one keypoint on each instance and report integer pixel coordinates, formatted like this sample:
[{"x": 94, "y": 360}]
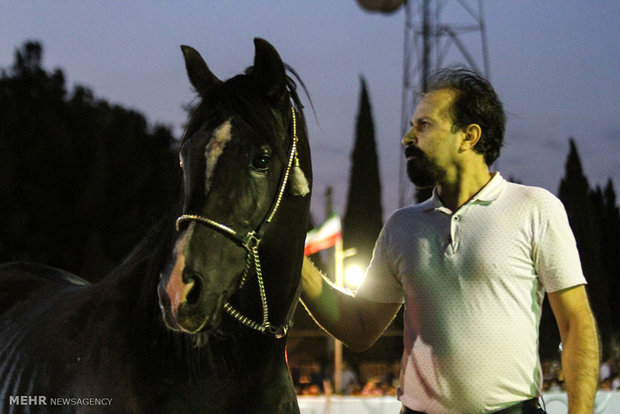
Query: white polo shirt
[{"x": 473, "y": 283}]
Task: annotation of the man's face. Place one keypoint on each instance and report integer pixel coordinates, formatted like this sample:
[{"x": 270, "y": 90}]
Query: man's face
[{"x": 430, "y": 144}]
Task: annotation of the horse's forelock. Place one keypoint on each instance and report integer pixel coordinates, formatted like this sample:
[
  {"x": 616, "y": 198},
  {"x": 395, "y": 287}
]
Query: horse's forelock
[
  {"x": 253, "y": 119},
  {"x": 242, "y": 98}
]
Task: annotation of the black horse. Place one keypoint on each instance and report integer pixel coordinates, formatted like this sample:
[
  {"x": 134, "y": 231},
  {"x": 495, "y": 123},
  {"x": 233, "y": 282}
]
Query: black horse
[{"x": 223, "y": 273}]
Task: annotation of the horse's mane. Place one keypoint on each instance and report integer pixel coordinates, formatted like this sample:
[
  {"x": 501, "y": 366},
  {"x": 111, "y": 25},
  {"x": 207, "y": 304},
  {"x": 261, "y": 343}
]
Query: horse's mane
[{"x": 140, "y": 269}]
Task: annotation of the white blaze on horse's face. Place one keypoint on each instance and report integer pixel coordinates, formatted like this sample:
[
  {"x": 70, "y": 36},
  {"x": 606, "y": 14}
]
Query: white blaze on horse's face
[
  {"x": 176, "y": 289},
  {"x": 214, "y": 150}
]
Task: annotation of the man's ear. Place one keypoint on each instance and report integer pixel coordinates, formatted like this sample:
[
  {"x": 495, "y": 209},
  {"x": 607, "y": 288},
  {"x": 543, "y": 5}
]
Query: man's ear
[{"x": 473, "y": 133}]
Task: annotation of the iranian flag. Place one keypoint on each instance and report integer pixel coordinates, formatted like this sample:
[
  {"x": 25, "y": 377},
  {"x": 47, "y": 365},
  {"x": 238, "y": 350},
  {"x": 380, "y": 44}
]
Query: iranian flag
[{"x": 324, "y": 236}]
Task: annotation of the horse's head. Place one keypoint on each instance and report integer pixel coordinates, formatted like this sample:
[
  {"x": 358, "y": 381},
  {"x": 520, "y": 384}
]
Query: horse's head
[{"x": 247, "y": 173}]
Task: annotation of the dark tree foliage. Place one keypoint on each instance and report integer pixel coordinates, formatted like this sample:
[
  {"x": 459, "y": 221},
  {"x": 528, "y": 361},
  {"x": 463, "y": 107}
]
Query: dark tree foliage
[
  {"x": 607, "y": 219},
  {"x": 609, "y": 222},
  {"x": 583, "y": 207},
  {"x": 363, "y": 218},
  {"x": 81, "y": 180}
]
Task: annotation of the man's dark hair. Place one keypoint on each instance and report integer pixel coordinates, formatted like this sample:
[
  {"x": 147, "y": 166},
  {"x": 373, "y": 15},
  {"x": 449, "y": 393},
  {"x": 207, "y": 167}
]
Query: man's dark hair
[{"x": 475, "y": 103}]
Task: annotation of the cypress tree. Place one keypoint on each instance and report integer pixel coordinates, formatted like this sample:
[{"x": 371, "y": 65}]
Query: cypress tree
[{"x": 363, "y": 218}]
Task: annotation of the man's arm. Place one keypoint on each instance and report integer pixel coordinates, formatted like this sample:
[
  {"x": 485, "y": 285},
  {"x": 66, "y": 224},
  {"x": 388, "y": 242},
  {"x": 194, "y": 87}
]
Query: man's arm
[
  {"x": 580, "y": 355},
  {"x": 355, "y": 321}
]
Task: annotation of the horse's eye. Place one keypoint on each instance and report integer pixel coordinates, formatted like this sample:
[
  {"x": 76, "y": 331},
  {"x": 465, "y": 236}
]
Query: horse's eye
[{"x": 261, "y": 161}]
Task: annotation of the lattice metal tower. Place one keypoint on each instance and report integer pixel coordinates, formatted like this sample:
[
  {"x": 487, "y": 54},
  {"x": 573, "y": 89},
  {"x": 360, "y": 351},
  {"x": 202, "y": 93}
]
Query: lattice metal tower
[{"x": 431, "y": 42}]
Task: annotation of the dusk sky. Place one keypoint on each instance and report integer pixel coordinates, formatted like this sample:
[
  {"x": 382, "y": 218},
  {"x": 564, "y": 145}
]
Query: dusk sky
[{"x": 554, "y": 63}]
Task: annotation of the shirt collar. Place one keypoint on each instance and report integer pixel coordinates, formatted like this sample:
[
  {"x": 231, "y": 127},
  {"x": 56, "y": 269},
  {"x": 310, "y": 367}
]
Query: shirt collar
[
  {"x": 487, "y": 194},
  {"x": 492, "y": 190}
]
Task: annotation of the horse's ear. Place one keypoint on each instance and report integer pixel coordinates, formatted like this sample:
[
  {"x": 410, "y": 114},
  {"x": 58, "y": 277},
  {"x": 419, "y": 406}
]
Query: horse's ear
[
  {"x": 198, "y": 72},
  {"x": 269, "y": 69}
]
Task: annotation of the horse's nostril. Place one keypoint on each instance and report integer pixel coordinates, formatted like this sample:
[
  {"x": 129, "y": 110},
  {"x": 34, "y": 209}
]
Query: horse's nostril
[{"x": 193, "y": 296}]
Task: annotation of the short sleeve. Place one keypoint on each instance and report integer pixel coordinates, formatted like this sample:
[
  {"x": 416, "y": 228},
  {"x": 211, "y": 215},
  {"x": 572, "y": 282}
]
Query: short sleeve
[
  {"x": 555, "y": 254},
  {"x": 382, "y": 282}
]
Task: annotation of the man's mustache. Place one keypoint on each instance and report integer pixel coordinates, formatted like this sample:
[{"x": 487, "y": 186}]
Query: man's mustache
[{"x": 413, "y": 151}]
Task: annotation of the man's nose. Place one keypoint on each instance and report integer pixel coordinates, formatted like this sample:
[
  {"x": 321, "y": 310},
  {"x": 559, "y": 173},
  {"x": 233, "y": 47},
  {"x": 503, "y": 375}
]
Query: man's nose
[{"x": 409, "y": 138}]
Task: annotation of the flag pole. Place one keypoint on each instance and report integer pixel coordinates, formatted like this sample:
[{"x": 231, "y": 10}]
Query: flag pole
[{"x": 339, "y": 276}]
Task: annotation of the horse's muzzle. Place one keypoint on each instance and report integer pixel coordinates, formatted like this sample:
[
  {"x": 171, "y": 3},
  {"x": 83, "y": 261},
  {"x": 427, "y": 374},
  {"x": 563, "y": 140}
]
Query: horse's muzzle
[{"x": 187, "y": 307}]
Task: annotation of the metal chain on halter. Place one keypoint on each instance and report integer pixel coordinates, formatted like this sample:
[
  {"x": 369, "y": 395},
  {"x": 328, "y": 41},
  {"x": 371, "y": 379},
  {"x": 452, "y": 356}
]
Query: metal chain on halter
[
  {"x": 246, "y": 270},
  {"x": 292, "y": 156},
  {"x": 251, "y": 242},
  {"x": 266, "y": 326}
]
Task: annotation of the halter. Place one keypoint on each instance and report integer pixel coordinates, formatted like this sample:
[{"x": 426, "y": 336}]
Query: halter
[{"x": 250, "y": 242}]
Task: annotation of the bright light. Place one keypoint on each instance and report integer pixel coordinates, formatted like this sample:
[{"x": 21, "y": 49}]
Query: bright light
[{"x": 353, "y": 277}]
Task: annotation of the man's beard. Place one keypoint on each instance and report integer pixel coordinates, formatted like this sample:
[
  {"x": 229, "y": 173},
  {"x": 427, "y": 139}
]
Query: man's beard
[{"x": 422, "y": 172}]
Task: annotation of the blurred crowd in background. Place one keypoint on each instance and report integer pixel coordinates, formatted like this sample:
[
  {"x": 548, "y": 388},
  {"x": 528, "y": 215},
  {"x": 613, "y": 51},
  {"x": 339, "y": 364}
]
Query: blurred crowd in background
[{"x": 381, "y": 379}]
